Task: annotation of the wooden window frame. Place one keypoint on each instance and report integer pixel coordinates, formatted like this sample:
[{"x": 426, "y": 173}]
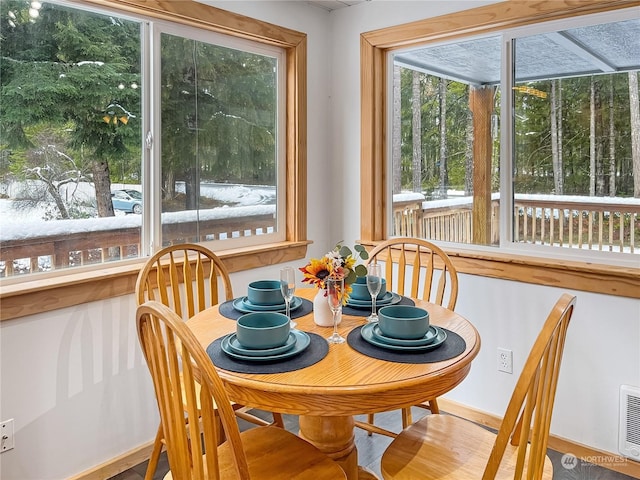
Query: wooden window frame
[
  {"x": 73, "y": 287},
  {"x": 374, "y": 47}
]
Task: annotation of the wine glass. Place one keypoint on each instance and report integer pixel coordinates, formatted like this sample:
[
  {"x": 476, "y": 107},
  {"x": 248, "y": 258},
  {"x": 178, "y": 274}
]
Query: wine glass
[
  {"x": 287, "y": 287},
  {"x": 335, "y": 295},
  {"x": 374, "y": 283}
]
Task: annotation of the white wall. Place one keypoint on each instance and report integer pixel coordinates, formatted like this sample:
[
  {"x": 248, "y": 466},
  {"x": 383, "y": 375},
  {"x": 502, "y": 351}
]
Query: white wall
[
  {"x": 602, "y": 352},
  {"x": 74, "y": 379},
  {"x": 75, "y": 382}
]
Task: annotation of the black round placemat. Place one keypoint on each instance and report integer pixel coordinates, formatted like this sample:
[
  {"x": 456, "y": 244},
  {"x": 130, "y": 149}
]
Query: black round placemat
[
  {"x": 365, "y": 312},
  {"x": 226, "y": 309},
  {"x": 453, "y": 346},
  {"x": 316, "y": 351}
]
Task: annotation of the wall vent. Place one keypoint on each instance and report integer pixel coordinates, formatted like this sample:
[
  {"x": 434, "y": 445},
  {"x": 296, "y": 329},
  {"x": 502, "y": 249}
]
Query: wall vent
[{"x": 629, "y": 441}]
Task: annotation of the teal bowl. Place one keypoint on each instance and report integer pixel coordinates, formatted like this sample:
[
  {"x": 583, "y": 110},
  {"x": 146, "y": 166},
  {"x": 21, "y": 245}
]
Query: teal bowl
[
  {"x": 265, "y": 292},
  {"x": 359, "y": 290},
  {"x": 403, "y": 321},
  {"x": 260, "y": 330}
]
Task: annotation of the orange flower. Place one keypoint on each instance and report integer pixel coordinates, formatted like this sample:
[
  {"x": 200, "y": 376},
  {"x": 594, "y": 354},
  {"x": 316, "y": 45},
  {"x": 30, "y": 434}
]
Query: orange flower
[
  {"x": 339, "y": 262},
  {"x": 316, "y": 271}
]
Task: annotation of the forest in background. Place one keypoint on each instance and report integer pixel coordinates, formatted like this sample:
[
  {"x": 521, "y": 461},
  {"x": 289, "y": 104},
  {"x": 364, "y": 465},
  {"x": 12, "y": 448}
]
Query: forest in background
[{"x": 573, "y": 136}]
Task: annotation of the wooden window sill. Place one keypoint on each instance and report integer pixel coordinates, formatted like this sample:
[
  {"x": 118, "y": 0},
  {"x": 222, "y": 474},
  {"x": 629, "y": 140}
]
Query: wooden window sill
[
  {"x": 43, "y": 294},
  {"x": 583, "y": 276}
]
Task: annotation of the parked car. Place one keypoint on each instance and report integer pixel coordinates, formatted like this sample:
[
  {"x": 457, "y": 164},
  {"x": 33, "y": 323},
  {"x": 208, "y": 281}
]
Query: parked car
[{"x": 129, "y": 201}]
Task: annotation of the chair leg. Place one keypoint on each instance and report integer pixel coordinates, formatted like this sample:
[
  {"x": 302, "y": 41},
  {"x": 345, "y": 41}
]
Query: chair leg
[
  {"x": 370, "y": 422},
  {"x": 406, "y": 417},
  {"x": 155, "y": 455},
  {"x": 277, "y": 420},
  {"x": 432, "y": 405}
]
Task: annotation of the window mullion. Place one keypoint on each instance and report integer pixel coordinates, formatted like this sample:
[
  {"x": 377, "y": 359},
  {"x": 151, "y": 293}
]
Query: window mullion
[
  {"x": 506, "y": 142},
  {"x": 146, "y": 236},
  {"x": 155, "y": 157}
]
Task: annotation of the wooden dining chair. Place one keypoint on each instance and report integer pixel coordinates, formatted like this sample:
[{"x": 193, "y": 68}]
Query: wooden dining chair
[
  {"x": 188, "y": 278},
  {"x": 445, "y": 447},
  {"x": 419, "y": 269},
  {"x": 192, "y": 398}
]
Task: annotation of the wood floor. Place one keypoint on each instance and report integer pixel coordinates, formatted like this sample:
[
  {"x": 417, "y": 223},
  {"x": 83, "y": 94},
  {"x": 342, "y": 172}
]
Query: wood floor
[{"x": 370, "y": 449}]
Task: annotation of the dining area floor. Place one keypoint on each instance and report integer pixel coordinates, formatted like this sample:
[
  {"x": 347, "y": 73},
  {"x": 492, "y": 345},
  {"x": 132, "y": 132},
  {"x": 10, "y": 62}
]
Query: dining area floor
[{"x": 371, "y": 448}]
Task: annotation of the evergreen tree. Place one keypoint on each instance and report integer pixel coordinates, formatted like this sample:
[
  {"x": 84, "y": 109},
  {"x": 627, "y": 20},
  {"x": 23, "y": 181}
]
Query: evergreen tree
[{"x": 71, "y": 67}]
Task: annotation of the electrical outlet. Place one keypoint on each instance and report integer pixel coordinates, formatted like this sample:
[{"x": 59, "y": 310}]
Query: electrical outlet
[
  {"x": 505, "y": 360},
  {"x": 6, "y": 435}
]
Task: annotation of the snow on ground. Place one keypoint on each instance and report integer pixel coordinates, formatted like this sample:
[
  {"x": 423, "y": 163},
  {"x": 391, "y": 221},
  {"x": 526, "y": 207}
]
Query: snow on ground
[{"x": 18, "y": 222}]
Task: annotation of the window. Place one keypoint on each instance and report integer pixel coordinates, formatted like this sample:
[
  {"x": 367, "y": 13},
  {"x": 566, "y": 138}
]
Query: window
[
  {"x": 222, "y": 176},
  {"x": 446, "y": 142},
  {"x": 107, "y": 170},
  {"x": 564, "y": 131},
  {"x": 560, "y": 267},
  {"x": 576, "y": 170}
]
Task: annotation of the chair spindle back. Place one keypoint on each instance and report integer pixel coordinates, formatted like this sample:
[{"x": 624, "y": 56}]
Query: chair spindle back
[
  {"x": 186, "y": 386},
  {"x": 424, "y": 259},
  {"x": 185, "y": 278}
]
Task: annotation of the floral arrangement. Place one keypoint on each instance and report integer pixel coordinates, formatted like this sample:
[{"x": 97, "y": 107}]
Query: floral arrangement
[{"x": 339, "y": 262}]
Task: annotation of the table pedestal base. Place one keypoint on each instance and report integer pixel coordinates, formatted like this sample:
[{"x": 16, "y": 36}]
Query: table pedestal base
[{"x": 335, "y": 437}]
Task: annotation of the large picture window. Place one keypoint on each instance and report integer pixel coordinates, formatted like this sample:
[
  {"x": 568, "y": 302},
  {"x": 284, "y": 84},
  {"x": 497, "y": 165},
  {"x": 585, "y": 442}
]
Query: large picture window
[
  {"x": 553, "y": 164},
  {"x": 106, "y": 152}
]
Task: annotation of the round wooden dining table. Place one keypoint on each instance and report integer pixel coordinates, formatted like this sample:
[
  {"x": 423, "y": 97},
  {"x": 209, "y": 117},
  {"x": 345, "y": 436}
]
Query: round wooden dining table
[{"x": 344, "y": 383}]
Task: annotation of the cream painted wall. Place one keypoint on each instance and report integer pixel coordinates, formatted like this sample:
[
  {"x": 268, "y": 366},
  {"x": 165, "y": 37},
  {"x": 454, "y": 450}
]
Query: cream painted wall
[{"x": 74, "y": 379}]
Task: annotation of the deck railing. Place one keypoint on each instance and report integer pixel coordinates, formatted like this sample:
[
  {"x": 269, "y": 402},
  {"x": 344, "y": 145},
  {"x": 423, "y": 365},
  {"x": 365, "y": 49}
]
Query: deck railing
[
  {"x": 591, "y": 223},
  {"x": 85, "y": 245},
  {"x": 606, "y": 224}
]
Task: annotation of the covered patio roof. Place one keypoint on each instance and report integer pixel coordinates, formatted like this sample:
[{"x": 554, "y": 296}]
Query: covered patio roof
[{"x": 591, "y": 50}]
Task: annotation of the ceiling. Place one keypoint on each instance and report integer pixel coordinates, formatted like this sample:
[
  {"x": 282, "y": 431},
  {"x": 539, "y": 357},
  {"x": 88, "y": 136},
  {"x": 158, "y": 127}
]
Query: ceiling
[
  {"x": 589, "y": 50},
  {"x": 330, "y": 5}
]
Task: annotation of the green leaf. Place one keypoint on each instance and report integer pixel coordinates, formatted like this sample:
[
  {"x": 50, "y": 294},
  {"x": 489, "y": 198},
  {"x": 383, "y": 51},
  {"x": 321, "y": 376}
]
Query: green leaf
[
  {"x": 361, "y": 251},
  {"x": 345, "y": 251},
  {"x": 361, "y": 270},
  {"x": 351, "y": 277}
]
